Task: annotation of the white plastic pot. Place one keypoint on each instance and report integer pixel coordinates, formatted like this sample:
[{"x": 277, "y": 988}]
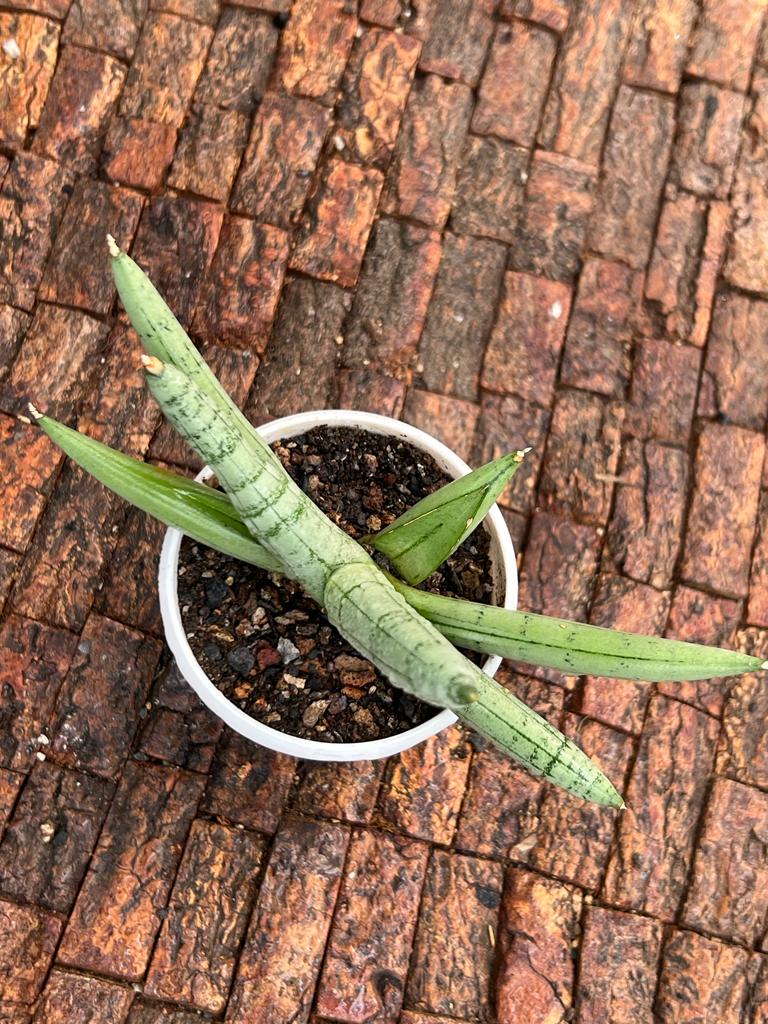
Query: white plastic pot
[{"x": 505, "y": 581}]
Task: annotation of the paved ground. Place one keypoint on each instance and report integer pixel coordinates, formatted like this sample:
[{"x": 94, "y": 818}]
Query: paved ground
[{"x": 542, "y": 225}]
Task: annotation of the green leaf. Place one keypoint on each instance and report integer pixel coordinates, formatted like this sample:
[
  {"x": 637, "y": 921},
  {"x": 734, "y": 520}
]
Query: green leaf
[{"x": 422, "y": 538}]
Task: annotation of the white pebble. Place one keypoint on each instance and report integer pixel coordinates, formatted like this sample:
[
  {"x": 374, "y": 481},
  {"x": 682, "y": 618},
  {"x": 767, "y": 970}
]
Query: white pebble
[{"x": 556, "y": 310}]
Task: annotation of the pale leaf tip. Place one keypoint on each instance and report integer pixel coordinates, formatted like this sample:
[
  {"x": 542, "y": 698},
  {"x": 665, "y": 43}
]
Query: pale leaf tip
[
  {"x": 152, "y": 365},
  {"x": 114, "y": 249},
  {"x": 34, "y": 412},
  {"x": 23, "y": 419},
  {"x": 764, "y": 665}
]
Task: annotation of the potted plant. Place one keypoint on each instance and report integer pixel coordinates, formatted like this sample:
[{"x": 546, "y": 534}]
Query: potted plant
[{"x": 412, "y": 636}]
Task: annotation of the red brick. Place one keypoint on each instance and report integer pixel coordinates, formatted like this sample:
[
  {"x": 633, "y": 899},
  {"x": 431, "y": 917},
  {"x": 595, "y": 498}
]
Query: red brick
[
  {"x": 663, "y": 391},
  {"x": 284, "y": 947},
  {"x": 81, "y": 100},
  {"x": 138, "y": 153},
  {"x": 314, "y": 48},
  {"x": 618, "y": 968},
  {"x": 425, "y": 786},
  {"x": 74, "y": 999},
  {"x": 416, "y": 21},
  {"x": 282, "y": 152},
  {"x": 489, "y": 189},
  {"x": 630, "y": 187},
  {"x": 553, "y": 14},
  {"x": 523, "y": 353},
  {"x": 51, "y": 8},
  {"x": 51, "y": 836},
  {"x": 735, "y": 377},
  {"x": 25, "y": 80},
  {"x": 239, "y": 298},
  {"x": 367, "y": 955},
  {"x": 206, "y": 11},
  {"x": 118, "y": 910},
  {"x": 453, "y": 950},
  {"x": 671, "y": 280},
  {"x": 515, "y": 82},
  {"x": 597, "y": 348},
  {"x": 370, "y": 391},
  {"x": 559, "y": 564},
  {"x": 584, "y": 82},
  {"x": 725, "y": 40},
  {"x": 708, "y": 140},
  {"x": 422, "y": 177},
  {"x": 32, "y": 201},
  {"x": 344, "y": 791},
  {"x": 757, "y": 607},
  {"x": 168, "y": 62},
  {"x": 658, "y": 46},
  {"x": 702, "y": 980},
  {"x": 747, "y": 263},
  {"x": 10, "y": 563},
  {"x": 208, "y": 156},
  {"x": 718, "y": 224},
  {"x": 298, "y": 369},
  {"x": 10, "y": 784},
  {"x": 391, "y": 298},
  {"x": 336, "y": 224},
  {"x": 646, "y": 526},
  {"x": 160, "y": 1013},
  {"x": 731, "y": 860},
  {"x": 507, "y": 423},
  {"x": 35, "y": 661},
  {"x": 451, "y": 420},
  {"x": 239, "y": 61},
  {"x": 28, "y": 463},
  {"x": 109, "y": 25},
  {"x": 457, "y": 48},
  {"x": 374, "y": 90},
  {"x": 197, "y": 949},
  {"x": 742, "y": 753},
  {"x": 723, "y": 513},
  {"x": 460, "y": 315},
  {"x": 14, "y": 324},
  {"x": 538, "y": 928},
  {"x": 28, "y": 940},
  {"x": 248, "y": 784}
]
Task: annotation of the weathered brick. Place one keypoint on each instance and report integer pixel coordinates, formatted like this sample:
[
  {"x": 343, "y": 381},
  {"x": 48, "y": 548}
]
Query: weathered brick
[
  {"x": 239, "y": 61},
  {"x": 597, "y": 348},
  {"x": 14, "y": 324},
  {"x": 718, "y": 225},
  {"x": 538, "y": 928},
  {"x": 28, "y": 463},
  {"x": 671, "y": 283},
  {"x": 391, "y": 298},
  {"x": 584, "y": 82},
  {"x": 239, "y": 297},
  {"x": 110, "y": 25},
  {"x": 663, "y": 391},
  {"x": 649, "y": 865},
  {"x": 129, "y": 594},
  {"x": 248, "y": 784},
  {"x": 523, "y": 353},
  {"x": 658, "y": 46},
  {"x": 453, "y": 951},
  {"x": 206, "y": 11},
  {"x": 457, "y": 49},
  {"x": 515, "y": 83},
  {"x": 282, "y": 152},
  {"x": 367, "y": 955},
  {"x": 460, "y": 315},
  {"x": 747, "y": 262},
  {"x": 451, "y": 420},
  {"x": 174, "y": 245},
  {"x": 489, "y": 188},
  {"x": 81, "y": 99},
  {"x": 210, "y": 146},
  {"x": 197, "y": 949},
  {"x": 32, "y": 201},
  {"x": 731, "y": 859},
  {"x": 25, "y": 79},
  {"x": 144, "y": 1012},
  {"x": 370, "y": 391},
  {"x": 35, "y": 661},
  {"x": 284, "y": 947},
  {"x": 618, "y": 968},
  {"x": 725, "y": 41},
  {"x": 416, "y": 21},
  {"x": 51, "y": 836},
  {"x": 137, "y": 152},
  {"x": 97, "y": 709},
  {"x": 757, "y": 607},
  {"x": 298, "y": 368},
  {"x": 314, "y": 48},
  {"x": 735, "y": 380},
  {"x": 742, "y": 753},
  {"x": 28, "y": 940},
  {"x": 558, "y": 566},
  {"x": 709, "y": 128},
  {"x": 10, "y": 562},
  {"x": 721, "y": 520},
  {"x": 574, "y": 837},
  {"x": 74, "y": 999},
  {"x": 337, "y": 221},
  {"x": 702, "y": 980},
  {"x": 578, "y": 468},
  {"x": 168, "y": 62},
  {"x": 623, "y": 604},
  {"x": 374, "y": 91},
  {"x": 555, "y": 216},
  {"x": 118, "y": 910},
  {"x": 424, "y": 787},
  {"x": 10, "y": 784},
  {"x": 553, "y": 14},
  {"x": 78, "y": 272},
  {"x": 646, "y": 526},
  {"x": 344, "y": 791},
  {"x": 508, "y": 423},
  {"x": 51, "y": 8},
  {"x": 422, "y": 176}
]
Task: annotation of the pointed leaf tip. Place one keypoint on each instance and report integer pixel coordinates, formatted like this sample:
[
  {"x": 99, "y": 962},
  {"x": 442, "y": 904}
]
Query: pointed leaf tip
[
  {"x": 152, "y": 364},
  {"x": 114, "y": 249},
  {"x": 33, "y": 412}
]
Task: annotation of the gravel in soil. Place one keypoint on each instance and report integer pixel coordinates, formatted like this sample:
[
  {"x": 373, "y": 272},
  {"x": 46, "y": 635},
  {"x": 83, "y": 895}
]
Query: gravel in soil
[{"x": 269, "y": 648}]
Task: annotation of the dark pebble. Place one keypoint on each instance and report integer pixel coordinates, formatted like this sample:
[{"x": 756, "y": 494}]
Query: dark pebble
[
  {"x": 216, "y": 593},
  {"x": 241, "y": 660}
]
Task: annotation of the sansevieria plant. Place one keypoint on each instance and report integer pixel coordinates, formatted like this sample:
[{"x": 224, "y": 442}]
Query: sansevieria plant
[{"x": 410, "y": 635}]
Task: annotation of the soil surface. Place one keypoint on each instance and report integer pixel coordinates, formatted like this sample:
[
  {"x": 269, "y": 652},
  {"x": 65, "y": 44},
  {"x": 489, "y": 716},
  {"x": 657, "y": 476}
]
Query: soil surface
[{"x": 269, "y": 648}]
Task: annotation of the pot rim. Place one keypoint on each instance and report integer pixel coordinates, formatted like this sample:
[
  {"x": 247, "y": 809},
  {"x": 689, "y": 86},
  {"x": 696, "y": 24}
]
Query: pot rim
[{"x": 502, "y": 555}]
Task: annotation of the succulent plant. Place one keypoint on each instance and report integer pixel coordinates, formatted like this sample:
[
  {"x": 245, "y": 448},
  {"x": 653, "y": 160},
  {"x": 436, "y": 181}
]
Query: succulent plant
[{"x": 412, "y": 636}]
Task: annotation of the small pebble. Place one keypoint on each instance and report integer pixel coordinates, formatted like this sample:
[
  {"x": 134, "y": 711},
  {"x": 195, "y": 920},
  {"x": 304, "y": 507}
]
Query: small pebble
[
  {"x": 288, "y": 651},
  {"x": 241, "y": 660}
]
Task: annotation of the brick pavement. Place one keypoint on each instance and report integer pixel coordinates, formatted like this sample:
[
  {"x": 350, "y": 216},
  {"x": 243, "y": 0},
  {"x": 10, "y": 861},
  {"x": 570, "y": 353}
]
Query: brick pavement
[{"x": 531, "y": 222}]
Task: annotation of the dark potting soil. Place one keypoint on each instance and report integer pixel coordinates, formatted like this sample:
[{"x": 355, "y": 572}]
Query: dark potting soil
[{"x": 269, "y": 648}]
